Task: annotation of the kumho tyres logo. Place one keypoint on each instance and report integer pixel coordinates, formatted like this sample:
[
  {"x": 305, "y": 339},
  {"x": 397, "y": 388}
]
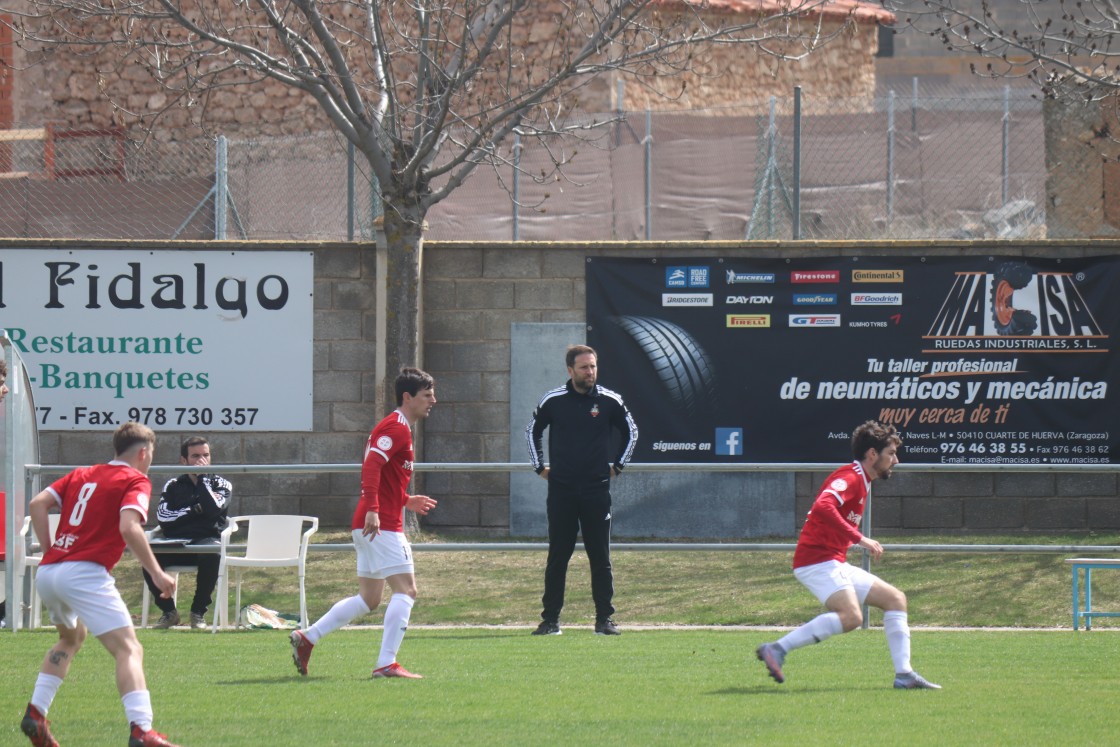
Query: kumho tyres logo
[{"x": 1016, "y": 308}]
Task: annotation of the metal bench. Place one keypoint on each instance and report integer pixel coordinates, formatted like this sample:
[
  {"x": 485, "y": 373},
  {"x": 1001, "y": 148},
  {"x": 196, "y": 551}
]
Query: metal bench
[{"x": 1087, "y": 565}]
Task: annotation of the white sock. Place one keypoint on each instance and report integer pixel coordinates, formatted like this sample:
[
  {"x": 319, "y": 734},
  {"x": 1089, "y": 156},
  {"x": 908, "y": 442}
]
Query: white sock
[
  {"x": 46, "y": 687},
  {"x": 898, "y": 639},
  {"x": 397, "y": 613},
  {"x": 138, "y": 708},
  {"x": 820, "y": 628},
  {"x": 340, "y": 614}
]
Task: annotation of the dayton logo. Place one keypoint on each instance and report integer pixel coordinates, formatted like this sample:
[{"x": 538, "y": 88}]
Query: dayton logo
[{"x": 1016, "y": 302}]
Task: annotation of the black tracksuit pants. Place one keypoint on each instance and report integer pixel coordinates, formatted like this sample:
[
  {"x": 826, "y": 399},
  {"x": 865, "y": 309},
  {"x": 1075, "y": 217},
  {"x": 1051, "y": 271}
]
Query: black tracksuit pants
[
  {"x": 207, "y": 563},
  {"x": 571, "y": 511}
]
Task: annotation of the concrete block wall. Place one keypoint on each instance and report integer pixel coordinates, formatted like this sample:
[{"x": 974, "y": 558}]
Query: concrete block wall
[
  {"x": 472, "y": 294},
  {"x": 474, "y": 291}
]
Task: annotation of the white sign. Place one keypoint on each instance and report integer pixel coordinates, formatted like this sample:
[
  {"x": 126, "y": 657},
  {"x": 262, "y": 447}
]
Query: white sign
[{"x": 206, "y": 340}]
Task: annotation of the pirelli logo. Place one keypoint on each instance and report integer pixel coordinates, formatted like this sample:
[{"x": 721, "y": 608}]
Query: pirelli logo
[
  {"x": 877, "y": 276},
  {"x": 747, "y": 321}
]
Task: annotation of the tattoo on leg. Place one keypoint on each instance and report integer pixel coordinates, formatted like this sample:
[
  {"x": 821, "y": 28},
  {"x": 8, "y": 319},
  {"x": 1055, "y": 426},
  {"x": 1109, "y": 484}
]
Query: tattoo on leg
[{"x": 58, "y": 657}]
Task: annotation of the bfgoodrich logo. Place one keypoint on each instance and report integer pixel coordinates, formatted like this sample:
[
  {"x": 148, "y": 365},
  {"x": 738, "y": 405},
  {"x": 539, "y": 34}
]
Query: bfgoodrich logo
[
  {"x": 814, "y": 320},
  {"x": 686, "y": 299},
  {"x": 876, "y": 299}
]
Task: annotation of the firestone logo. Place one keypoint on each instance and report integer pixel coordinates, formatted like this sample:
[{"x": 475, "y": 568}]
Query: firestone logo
[{"x": 814, "y": 276}]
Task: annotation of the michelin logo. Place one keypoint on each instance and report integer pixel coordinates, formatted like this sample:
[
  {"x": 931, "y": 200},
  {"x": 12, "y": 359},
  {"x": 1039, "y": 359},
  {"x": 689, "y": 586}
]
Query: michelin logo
[{"x": 749, "y": 277}]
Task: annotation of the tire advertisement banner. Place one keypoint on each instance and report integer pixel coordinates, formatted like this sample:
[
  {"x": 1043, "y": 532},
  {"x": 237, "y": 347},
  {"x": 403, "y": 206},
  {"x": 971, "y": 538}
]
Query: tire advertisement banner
[{"x": 976, "y": 360}]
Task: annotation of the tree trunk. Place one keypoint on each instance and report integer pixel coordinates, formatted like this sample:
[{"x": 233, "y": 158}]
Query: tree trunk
[{"x": 404, "y": 242}]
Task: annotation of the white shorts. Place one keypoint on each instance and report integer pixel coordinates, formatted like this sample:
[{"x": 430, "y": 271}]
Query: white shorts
[
  {"x": 382, "y": 555},
  {"x": 827, "y": 578},
  {"x": 80, "y": 590}
]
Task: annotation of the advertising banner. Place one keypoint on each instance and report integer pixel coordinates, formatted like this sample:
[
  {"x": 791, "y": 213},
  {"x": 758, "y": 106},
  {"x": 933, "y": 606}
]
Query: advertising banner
[
  {"x": 212, "y": 340},
  {"x": 977, "y": 360}
]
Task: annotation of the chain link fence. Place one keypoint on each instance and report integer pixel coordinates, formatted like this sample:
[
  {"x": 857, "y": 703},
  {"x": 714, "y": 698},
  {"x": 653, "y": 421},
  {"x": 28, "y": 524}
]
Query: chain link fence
[{"x": 911, "y": 164}]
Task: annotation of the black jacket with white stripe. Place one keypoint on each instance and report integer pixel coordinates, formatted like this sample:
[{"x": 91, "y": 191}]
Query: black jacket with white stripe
[{"x": 580, "y": 429}]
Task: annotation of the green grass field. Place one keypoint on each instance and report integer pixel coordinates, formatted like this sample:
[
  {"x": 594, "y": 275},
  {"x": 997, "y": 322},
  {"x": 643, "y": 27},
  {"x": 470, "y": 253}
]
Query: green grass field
[
  {"x": 1040, "y": 685},
  {"x": 649, "y": 687}
]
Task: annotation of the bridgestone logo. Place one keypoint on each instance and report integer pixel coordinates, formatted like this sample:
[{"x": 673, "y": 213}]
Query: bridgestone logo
[{"x": 686, "y": 299}]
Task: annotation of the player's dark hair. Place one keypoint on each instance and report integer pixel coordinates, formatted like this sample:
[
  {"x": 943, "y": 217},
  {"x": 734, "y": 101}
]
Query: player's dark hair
[
  {"x": 184, "y": 450},
  {"x": 873, "y": 435},
  {"x": 129, "y": 435},
  {"x": 575, "y": 351},
  {"x": 3, "y": 369},
  {"x": 411, "y": 381}
]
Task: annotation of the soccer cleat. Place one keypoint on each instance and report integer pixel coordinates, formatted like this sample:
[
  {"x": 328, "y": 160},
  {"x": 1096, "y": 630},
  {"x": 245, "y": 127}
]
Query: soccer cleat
[
  {"x": 149, "y": 738},
  {"x": 167, "y": 620},
  {"x": 198, "y": 622},
  {"x": 301, "y": 650},
  {"x": 548, "y": 627},
  {"x": 913, "y": 681},
  {"x": 772, "y": 655},
  {"x": 37, "y": 728},
  {"x": 395, "y": 670},
  {"x": 606, "y": 627}
]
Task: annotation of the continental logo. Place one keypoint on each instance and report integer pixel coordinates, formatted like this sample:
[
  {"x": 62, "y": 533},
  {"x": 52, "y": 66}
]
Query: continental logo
[
  {"x": 747, "y": 321},
  {"x": 877, "y": 276}
]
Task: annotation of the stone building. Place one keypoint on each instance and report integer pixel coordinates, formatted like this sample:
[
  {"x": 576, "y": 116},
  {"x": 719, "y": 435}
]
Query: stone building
[{"x": 82, "y": 91}]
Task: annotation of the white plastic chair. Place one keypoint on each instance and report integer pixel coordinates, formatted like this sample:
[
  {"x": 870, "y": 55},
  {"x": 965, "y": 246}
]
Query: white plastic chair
[
  {"x": 274, "y": 541},
  {"x": 31, "y": 563},
  {"x": 173, "y": 570}
]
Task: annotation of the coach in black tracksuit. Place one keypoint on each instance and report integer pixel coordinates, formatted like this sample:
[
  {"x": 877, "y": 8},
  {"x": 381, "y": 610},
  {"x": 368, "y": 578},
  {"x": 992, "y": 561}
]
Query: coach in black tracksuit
[{"x": 581, "y": 417}]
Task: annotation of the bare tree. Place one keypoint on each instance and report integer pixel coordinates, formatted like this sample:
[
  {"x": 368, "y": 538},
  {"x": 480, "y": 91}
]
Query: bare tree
[
  {"x": 1065, "y": 47},
  {"x": 426, "y": 90}
]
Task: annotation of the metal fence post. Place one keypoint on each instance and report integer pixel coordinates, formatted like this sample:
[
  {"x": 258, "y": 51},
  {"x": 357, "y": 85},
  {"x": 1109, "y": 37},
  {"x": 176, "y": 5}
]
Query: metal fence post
[
  {"x": 516, "y": 186},
  {"x": 890, "y": 156},
  {"x": 1006, "y": 165},
  {"x": 796, "y": 218},
  {"x": 349, "y": 191},
  {"x": 649, "y": 174},
  {"x": 221, "y": 188},
  {"x": 914, "y": 105}
]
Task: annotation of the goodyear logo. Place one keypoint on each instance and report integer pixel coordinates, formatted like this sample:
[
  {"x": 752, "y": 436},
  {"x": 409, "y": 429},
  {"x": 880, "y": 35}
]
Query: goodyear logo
[{"x": 815, "y": 299}]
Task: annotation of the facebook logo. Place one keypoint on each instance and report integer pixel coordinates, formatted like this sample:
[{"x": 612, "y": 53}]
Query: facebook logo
[{"x": 729, "y": 441}]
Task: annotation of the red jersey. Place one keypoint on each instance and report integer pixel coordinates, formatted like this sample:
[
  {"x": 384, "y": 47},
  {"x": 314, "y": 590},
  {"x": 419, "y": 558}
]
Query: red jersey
[
  {"x": 91, "y": 501},
  {"x": 386, "y": 472},
  {"x": 832, "y": 525}
]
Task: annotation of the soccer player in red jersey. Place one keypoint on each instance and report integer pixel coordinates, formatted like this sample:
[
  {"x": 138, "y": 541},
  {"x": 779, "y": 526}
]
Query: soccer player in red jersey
[
  {"x": 384, "y": 555},
  {"x": 820, "y": 561},
  {"x": 103, "y": 509}
]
